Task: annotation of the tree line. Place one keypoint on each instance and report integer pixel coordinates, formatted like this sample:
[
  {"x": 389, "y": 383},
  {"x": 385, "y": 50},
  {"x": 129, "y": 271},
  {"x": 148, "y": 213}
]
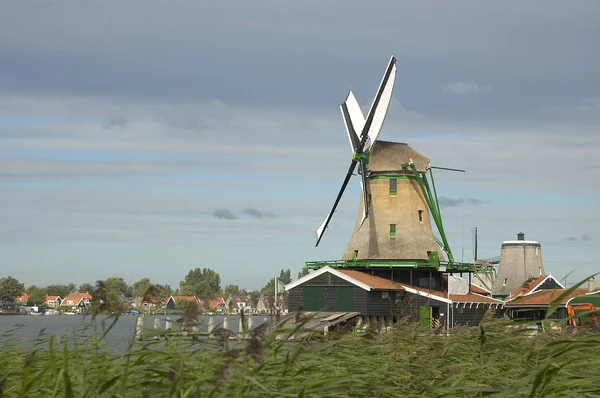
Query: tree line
[{"x": 111, "y": 294}]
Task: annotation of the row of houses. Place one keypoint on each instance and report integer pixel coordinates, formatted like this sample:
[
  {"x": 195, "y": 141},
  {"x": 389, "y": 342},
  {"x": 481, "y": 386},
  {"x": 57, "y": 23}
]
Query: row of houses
[
  {"x": 450, "y": 301},
  {"x": 219, "y": 305}
]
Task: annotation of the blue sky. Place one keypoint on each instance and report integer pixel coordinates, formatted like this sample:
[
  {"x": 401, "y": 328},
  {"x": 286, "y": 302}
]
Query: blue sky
[{"x": 124, "y": 126}]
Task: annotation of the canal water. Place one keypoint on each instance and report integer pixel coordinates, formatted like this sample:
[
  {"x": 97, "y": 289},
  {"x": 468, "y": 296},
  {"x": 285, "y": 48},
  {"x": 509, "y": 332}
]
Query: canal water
[{"x": 29, "y": 327}]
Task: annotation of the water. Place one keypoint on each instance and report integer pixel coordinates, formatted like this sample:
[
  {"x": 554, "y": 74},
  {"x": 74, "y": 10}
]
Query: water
[{"x": 118, "y": 338}]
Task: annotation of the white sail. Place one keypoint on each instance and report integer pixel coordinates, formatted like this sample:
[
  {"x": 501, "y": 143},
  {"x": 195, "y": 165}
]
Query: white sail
[{"x": 382, "y": 108}]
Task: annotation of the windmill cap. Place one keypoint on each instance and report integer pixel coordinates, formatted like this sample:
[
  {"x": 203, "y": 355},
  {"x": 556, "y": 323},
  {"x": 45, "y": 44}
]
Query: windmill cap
[{"x": 390, "y": 156}]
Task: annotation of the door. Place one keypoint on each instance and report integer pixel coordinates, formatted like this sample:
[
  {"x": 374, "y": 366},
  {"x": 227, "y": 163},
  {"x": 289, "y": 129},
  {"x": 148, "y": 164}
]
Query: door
[
  {"x": 425, "y": 316},
  {"x": 313, "y": 298},
  {"x": 345, "y": 298}
]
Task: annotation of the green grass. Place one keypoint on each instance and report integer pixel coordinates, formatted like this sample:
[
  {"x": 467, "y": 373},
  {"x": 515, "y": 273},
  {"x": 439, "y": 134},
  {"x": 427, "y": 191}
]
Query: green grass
[{"x": 495, "y": 359}]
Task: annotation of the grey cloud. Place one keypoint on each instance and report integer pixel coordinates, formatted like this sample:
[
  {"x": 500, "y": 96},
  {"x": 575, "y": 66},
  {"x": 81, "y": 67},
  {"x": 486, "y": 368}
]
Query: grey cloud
[
  {"x": 586, "y": 238},
  {"x": 115, "y": 122},
  {"x": 257, "y": 213},
  {"x": 248, "y": 64},
  {"x": 570, "y": 238},
  {"x": 449, "y": 202},
  {"x": 224, "y": 214}
]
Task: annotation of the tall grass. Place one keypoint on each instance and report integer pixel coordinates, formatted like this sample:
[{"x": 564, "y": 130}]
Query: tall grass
[{"x": 499, "y": 358}]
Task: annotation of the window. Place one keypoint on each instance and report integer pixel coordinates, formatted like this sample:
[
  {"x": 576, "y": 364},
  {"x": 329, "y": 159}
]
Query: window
[
  {"x": 505, "y": 280},
  {"x": 421, "y": 216},
  {"x": 392, "y": 230},
  {"x": 355, "y": 255},
  {"x": 393, "y": 186},
  {"x": 385, "y": 295}
]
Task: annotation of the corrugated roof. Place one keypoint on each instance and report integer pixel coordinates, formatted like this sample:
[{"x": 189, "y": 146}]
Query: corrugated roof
[
  {"x": 375, "y": 282},
  {"x": 543, "y": 298},
  {"x": 473, "y": 298},
  {"x": 528, "y": 286}
]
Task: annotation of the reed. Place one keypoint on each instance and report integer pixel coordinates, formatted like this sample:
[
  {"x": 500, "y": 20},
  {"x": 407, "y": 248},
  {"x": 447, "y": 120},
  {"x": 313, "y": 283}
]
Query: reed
[{"x": 499, "y": 358}]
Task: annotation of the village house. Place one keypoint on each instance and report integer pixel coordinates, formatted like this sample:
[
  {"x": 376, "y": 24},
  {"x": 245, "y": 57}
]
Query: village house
[
  {"x": 76, "y": 302},
  {"x": 172, "y": 301},
  {"x": 22, "y": 299},
  {"x": 53, "y": 301},
  {"x": 268, "y": 305},
  {"x": 239, "y": 304},
  {"x": 531, "y": 300},
  {"x": 375, "y": 297},
  {"x": 147, "y": 305},
  {"x": 218, "y": 305}
]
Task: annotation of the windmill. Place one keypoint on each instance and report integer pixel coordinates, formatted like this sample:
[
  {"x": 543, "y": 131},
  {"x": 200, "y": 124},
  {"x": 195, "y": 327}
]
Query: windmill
[{"x": 397, "y": 200}]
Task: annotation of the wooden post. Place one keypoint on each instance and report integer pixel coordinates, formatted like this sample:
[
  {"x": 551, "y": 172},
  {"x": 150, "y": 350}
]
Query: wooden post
[
  {"x": 156, "y": 328},
  {"x": 250, "y": 323},
  {"x": 168, "y": 324},
  {"x": 225, "y": 323},
  {"x": 138, "y": 327},
  {"x": 211, "y": 327},
  {"x": 326, "y": 330}
]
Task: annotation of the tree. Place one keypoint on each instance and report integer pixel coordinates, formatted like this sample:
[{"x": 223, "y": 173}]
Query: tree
[
  {"x": 60, "y": 290},
  {"x": 303, "y": 271},
  {"x": 285, "y": 277},
  {"x": 117, "y": 284},
  {"x": 10, "y": 288},
  {"x": 86, "y": 288},
  {"x": 233, "y": 290},
  {"x": 105, "y": 300},
  {"x": 254, "y": 296},
  {"x": 201, "y": 283},
  {"x": 139, "y": 288},
  {"x": 37, "y": 295}
]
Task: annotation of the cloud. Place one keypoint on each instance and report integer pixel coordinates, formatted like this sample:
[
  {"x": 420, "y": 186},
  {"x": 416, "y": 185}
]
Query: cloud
[
  {"x": 449, "y": 202},
  {"x": 115, "y": 122},
  {"x": 583, "y": 238},
  {"x": 465, "y": 88},
  {"x": 257, "y": 213},
  {"x": 224, "y": 214}
]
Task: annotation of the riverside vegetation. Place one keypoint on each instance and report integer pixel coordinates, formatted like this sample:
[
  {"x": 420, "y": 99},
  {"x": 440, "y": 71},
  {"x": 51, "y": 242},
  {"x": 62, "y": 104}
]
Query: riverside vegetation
[{"x": 499, "y": 358}]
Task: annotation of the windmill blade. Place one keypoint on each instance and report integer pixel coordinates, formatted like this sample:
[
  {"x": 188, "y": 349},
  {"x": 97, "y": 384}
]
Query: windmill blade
[
  {"x": 365, "y": 190},
  {"x": 321, "y": 230},
  {"x": 354, "y": 120},
  {"x": 379, "y": 108}
]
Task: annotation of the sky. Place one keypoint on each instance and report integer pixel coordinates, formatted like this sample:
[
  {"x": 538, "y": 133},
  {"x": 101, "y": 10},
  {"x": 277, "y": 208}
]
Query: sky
[{"x": 144, "y": 138}]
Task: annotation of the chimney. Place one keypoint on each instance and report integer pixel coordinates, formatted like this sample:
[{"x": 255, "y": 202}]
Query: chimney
[
  {"x": 591, "y": 284},
  {"x": 520, "y": 236}
]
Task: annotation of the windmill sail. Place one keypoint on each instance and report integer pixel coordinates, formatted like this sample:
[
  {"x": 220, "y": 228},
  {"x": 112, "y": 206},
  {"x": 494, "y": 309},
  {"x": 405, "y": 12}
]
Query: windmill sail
[{"x": 373, "y": 122}]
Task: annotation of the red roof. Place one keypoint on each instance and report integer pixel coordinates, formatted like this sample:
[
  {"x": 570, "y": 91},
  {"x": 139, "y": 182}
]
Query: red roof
[
  {"x": 375, "y": 282},
  {"x": 528, "y": 286},
  {"x": 473, "y": 298},
  {"x": 544, "y": 297}
]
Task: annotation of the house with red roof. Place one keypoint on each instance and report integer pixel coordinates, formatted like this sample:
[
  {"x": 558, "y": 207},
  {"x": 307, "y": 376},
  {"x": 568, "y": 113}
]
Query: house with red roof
[
  {"x": 22, "y": 299},
  {"x": 383, "y": 299},
  {"x": 270, "y": 305},
  {"x": 76, "y": 302},
  {"x": 239, "y": 304},
  {"x": 53, "y": 301},
  {"x": 531, "y": 300},
  {"x": 218, "y": 305}
]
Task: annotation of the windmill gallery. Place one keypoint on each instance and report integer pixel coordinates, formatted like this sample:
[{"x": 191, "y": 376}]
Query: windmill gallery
[{"x": 394, "y": 265}]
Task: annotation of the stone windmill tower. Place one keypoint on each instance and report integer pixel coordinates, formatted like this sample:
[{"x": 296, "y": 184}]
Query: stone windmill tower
[
  {"x": 397, "y": 201},
  {"x": 520, "y": 260}
]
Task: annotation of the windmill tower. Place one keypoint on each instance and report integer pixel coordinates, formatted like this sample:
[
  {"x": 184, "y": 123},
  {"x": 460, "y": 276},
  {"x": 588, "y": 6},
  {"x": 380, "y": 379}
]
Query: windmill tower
[
  {"x": 397, "y": 201},
  {"x": 520, "y": 260}
]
